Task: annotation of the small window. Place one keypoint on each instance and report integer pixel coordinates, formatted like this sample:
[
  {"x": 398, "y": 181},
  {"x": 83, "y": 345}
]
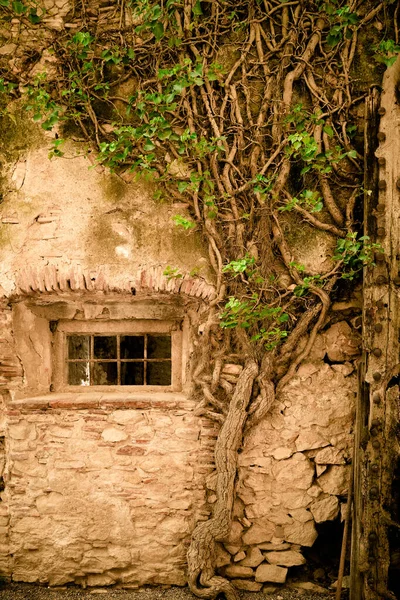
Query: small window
[
  {"x": 140, "y": 353},
  {"x": 119, "y": 359}
]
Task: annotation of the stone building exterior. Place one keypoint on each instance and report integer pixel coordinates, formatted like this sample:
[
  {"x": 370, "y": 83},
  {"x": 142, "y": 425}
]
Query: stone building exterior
[
  {"x": 101, "y": 484},
  {"x": 105, "y": 486}
]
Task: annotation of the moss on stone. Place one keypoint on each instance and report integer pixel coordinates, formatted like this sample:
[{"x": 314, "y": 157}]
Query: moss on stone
[
  {"x": 19, "y": 133},
  {"x": 101, "y": 241}
]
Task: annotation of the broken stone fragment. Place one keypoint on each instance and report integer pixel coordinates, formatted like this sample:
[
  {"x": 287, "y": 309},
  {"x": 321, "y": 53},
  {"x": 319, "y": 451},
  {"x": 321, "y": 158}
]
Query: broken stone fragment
[
  {"x": 258, "y": 534},
  {"x": 10, "y": 219},
  {"x": 325, "y": 509},
  {"x": 239, "y": 556},
  {"x": 310, "y": 439},
  {"x": 295, "y": 472},
  {"x": 342, "y": 342},
  {"x": 271, "y": 573},
  {"x": 253, "y": 558},
  {"x": 303, "y": 534},
  {"x": 330, "y": 456},
  {"x": 232, "y": 549},
  {"x": 290, "y": 558},
  {"x": 335, "y": 480}
]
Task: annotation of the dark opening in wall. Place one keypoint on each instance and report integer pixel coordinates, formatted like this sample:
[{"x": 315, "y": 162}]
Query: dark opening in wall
[
  {"x": 394, "y": 535},
  {"x": 324, "y": 556}
]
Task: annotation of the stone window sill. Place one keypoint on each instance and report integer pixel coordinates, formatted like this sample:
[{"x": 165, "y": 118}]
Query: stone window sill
[{"x": 106, "y": 400}]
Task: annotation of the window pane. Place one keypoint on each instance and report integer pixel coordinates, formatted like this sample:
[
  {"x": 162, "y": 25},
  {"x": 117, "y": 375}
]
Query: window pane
[
  {"x": 159, "y": 346},
  {"x": 78, "y": 346},
  {"x": 132, "y": 373},
  {"x": 132, "y": 346},
  {"x": 105, "y": 373},
  {"x": 78, "y": 373},
  {"x": 105, "y": 346},
  {"x": 159, "y": 373}
]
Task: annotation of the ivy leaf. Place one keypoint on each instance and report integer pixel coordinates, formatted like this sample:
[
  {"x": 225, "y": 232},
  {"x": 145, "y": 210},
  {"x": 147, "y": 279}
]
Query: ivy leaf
[
  {"x": 34, "y": 18},
  {"x": 328, "y": 130},
  {"x": 5, "y": 3},
  {"x": 197, "y": 11},
  {"x": 158, "y": 30},
  {"x": 18, "y": 7},
  {"x": 148, "y": 146}
]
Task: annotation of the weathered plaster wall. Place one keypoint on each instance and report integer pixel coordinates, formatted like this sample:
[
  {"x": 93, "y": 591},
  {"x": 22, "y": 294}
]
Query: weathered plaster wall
[{"x": 63, "y": 213}]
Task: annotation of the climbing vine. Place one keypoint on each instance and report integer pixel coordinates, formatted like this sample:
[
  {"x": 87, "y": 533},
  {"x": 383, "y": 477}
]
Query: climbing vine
[{"x": 247, "y": 112}]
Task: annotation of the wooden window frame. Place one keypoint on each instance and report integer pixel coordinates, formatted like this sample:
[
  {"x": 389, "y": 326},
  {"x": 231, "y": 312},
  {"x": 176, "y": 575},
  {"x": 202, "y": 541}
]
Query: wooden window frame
[{"x": 117, "y": 328}]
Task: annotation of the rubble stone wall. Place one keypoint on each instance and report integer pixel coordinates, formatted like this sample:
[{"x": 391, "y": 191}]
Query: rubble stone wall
[
  {"x": 294, "y": 467},
  {"x": 104, "y": 490}
]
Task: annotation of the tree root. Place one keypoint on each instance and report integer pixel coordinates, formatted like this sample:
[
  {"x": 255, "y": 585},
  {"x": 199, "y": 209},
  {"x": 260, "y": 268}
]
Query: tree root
[{"x": 201, "y": 575}]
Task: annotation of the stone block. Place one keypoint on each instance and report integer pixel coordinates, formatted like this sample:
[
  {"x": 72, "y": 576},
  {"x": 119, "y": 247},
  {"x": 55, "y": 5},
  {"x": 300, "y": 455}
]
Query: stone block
[
  {"x": 22, "y": 431},
  {"x": 330, "y": 456},
  {"x": 112, "y": 434},
  {"x": 288, "y": 558},
  {"x": 271, "y": 573},
  {"x": 303, "y": 534},
  {"x": 253, "y": 558},
  {"x": 325, "y": 509},
  {"x": 293, "y": 473},
  {"x": 258, "y": 534},
  {"x": 239, "y": 572},
  {"x": 335, "y": 480}
]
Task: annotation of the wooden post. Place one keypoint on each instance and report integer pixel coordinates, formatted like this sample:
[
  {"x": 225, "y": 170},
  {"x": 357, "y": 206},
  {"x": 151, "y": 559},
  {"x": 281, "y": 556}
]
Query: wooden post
[{"x": 376, "y": 448}]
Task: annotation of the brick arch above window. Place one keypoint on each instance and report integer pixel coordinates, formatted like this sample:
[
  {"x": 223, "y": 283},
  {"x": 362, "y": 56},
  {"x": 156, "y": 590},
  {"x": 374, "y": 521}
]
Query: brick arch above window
[{"x": 52, "y": 279}]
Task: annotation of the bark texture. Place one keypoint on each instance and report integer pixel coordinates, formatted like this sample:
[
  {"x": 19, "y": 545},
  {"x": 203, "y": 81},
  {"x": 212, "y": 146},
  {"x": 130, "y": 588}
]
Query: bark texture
[{"x": 201, "y": 574}]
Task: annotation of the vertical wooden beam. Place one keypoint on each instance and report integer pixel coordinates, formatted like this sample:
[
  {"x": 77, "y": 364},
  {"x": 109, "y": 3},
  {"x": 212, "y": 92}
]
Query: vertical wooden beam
[{"x": 376, "y": 448}]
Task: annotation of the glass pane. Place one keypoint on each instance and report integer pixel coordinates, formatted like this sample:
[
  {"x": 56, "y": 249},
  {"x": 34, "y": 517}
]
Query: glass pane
[
  {"x": 105, "y": 346},
  {"x": 132, "y": 346},
  {"x": 159, "y": 373},
  {"x": 132, "y": 373},
  {"x": 78, "y": 346},
  {"x": 159, "y": 346},
  {"x": 78, "y": 373},
  {"x": 105, "y": 373}
]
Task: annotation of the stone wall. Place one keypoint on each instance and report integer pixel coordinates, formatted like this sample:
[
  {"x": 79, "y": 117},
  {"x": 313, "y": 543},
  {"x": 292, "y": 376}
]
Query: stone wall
[
  {"x": 294, "y": 466},
  {"x": 104, "y": 490}
]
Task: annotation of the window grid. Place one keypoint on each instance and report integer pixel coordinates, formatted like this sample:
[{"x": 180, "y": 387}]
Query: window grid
[{"x": 118, "y": 360}]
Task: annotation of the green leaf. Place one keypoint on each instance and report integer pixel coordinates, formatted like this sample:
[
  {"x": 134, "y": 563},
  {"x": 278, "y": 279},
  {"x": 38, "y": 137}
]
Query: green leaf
[
  {"x": 197, "y": 10},
  {"x": 148, "y": 146},
  {"x": 182, "y": 186},
  {"x": 19, "y": 8},
  {"x": 34, "y": 17},
  {"x": 5, "y": 3},
  {"x": 158, "y": 31},
  {"x": 328, "y": 130}
]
